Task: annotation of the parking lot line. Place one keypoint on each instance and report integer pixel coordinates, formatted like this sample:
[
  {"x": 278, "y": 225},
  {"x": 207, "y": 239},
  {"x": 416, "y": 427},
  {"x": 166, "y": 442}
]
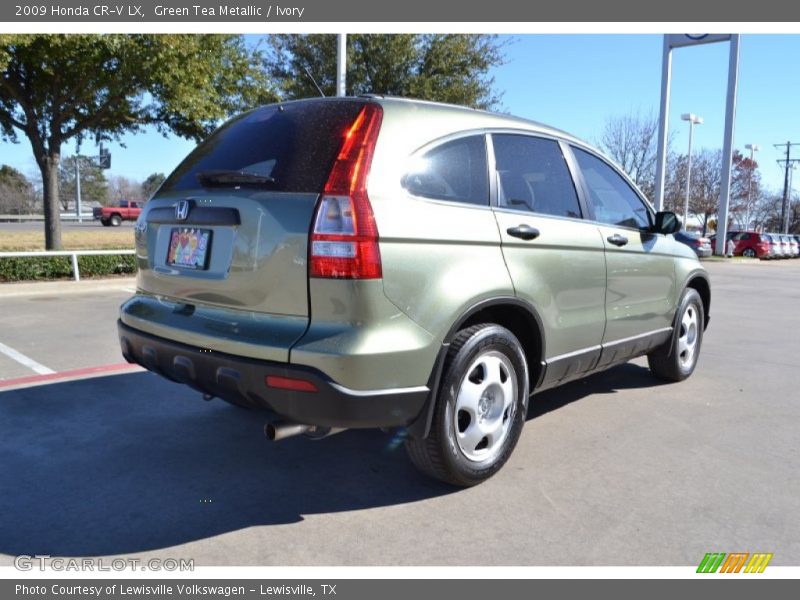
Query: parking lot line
[
  {"x": 25, "y": 360},
  {"x": 53, "y": 377}
]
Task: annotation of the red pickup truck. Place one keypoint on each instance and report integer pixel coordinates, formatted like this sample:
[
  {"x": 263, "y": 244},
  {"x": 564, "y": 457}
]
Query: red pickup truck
[{"x": 126, "y": 210}]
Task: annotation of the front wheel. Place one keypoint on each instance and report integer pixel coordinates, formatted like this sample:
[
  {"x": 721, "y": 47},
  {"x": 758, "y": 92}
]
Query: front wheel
[
  {"x": 480, "y": 409},
  {"x": 676, "y": 361},
  {"x": 116, "y": 220}
]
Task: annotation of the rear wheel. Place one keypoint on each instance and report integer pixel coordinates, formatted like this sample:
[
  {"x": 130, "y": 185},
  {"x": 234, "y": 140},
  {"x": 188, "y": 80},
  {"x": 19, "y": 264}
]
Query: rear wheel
[
  {"x": 676, "y": 361},
  {"x": 116, "y": 220},
  {"x": 480, "y": 408},
  {"x": 749, "y": 253}
]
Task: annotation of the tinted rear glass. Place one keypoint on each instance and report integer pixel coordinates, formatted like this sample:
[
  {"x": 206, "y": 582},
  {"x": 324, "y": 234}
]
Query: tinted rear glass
[
  {"x": 455, "y": 171},
  {"x": 293, "y": 144}
]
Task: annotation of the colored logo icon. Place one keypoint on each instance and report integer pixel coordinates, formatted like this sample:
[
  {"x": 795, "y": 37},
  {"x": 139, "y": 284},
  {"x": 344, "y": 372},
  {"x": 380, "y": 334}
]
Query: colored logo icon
[{"x": 736, "y": 562}]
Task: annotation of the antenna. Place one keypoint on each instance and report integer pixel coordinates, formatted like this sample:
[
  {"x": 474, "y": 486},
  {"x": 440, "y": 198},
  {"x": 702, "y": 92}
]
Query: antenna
[{"x": 314, "y": 81}]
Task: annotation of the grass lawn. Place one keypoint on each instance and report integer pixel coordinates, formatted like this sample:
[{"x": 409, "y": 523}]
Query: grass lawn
[{"x": 103, "y": 238}]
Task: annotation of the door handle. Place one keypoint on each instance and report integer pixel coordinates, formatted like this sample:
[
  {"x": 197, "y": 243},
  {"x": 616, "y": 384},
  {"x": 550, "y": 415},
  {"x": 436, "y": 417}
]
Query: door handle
[
  {"x": 617, "y": 239},
  {"x": 525, "y": 232}
]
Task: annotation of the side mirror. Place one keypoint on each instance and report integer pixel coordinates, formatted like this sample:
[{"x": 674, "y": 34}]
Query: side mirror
[{"x": 667, "y": 222}]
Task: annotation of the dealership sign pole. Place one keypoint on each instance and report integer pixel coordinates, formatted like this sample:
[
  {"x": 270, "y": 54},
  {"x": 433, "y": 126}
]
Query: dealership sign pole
[{"x": 679, "y": 41}]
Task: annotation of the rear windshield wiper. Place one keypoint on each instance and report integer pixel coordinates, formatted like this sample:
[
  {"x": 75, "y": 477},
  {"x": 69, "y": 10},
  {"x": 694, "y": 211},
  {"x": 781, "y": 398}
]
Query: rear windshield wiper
[{"x": 223, "y": 177}]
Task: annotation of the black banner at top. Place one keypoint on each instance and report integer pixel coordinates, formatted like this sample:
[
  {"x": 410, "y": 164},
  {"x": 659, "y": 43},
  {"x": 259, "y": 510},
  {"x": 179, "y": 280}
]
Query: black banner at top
[{"x": 361, "y": 11}]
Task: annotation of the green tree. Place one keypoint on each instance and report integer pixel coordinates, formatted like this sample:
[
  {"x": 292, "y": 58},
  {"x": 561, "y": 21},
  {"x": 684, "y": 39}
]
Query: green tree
[
  {"x": 57, "y": 87},
  {"x": 151, "y": 184},
  {"x": 444, "y": 67},
  {"x": 9, "y": 175},
  {"x": 17, "y": 195},
  {"x": 94, "y": 186}
]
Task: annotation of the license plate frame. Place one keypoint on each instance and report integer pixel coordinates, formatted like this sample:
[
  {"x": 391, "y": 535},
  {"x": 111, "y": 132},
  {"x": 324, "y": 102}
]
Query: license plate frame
[{"x": 189, "y": 248}]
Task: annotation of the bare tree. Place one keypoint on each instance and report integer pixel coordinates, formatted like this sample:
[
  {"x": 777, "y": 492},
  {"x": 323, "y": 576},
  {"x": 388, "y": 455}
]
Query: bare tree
[
  {"x": 94, "y": 187},
  {"x": 768, "y": 212},
  {"x": 675, "y": 184},
  {"x": 746, "y": 192},
  {"x": 706, "y": 185},
  {"x": 631, "y": 140},
  {"x": 123, "y": 188}
]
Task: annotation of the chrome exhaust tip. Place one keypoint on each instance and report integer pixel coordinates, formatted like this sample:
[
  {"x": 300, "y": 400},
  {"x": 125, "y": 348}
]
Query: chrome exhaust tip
[{"x": 281, "y": 430}]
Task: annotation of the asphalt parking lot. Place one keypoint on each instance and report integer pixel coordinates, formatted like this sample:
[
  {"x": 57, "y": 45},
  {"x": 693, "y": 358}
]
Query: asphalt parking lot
[{"x": 618, "y": 469}]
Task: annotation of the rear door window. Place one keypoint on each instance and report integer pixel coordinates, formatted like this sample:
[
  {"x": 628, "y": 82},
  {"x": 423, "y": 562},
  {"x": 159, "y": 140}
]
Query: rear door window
[
  {"x": 456, "y": 171},
  {"x": 286, "y": 147},
  {"x": 533, "y": 175}
]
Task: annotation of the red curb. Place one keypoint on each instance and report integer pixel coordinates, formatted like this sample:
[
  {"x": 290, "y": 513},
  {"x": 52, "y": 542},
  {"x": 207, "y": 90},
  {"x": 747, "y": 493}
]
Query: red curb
[{"x": 73, "y": 374}]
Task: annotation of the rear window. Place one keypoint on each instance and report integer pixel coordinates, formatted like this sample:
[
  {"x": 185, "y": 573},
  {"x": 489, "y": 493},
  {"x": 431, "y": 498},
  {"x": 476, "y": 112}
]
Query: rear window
[
  {"x": 293, "y": 146},
  {"x": 456, "y": 171}
]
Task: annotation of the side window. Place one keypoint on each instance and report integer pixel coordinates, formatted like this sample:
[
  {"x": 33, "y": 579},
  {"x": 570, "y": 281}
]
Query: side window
[
  {"x": 613, "y": 199},
  {"x": 455, "y": 170},
  {"x": 533, "y": 175}
]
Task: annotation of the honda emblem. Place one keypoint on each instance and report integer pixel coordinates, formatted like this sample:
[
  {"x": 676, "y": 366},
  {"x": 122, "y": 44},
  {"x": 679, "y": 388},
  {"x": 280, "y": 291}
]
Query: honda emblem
[{"x": 182, "y": 210}]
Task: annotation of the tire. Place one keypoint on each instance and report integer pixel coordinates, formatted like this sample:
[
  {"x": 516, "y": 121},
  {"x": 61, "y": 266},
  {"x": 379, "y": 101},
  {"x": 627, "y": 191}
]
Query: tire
[
  {"x": 480, "y": 409},
  {"x": 749, "y": 253},
  {"x": 105, "y": 222},
  {"x": 116, "y": 220},
  {"x": 676, "y": 360}
]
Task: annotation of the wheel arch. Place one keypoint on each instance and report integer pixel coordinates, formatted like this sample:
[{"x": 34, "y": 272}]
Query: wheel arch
[
  {"x": 516, "y": 315},
  {"x": 699, "y": 282}
]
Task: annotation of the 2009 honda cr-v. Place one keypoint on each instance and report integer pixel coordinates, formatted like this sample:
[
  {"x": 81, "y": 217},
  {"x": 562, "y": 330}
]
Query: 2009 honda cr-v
[{"x": 382, "y": 262}]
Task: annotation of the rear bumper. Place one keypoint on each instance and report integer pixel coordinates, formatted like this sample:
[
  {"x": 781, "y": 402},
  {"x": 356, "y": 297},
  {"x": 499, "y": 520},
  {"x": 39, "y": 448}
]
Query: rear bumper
[{"x": 242, "y": 380}]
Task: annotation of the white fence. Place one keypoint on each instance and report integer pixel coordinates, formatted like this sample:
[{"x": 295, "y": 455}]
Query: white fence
[
  {"x": 64, "y": 217},
  {"x": 74, "y": 254}
]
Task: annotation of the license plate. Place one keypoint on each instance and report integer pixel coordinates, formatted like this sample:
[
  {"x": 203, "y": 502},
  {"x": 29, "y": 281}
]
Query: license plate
[{"x": 189, "y": 248}]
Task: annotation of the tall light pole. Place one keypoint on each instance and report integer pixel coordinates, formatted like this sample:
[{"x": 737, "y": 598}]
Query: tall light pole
[
  {"x": 78, "y": 207},
  {"x": 753, "y": 149},
  {"x": 693, "y": 120}
]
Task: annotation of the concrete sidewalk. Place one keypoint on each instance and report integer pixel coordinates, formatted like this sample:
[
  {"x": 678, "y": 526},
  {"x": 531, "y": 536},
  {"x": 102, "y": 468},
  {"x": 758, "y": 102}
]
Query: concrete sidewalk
[{"x": 57, "y": 288}]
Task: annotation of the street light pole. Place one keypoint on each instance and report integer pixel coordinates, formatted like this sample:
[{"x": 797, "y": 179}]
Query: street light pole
[
  {"x": 693, "y": 120},
  {"x": 753, "y": 149},
  {"x": 78, "y": 207}
]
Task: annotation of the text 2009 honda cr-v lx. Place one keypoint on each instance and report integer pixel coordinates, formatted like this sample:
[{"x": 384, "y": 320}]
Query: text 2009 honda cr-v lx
[{"x": 380, "y": 262}]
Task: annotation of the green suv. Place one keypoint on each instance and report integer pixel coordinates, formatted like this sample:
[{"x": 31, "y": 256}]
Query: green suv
[{"x": 382, "y": 262}]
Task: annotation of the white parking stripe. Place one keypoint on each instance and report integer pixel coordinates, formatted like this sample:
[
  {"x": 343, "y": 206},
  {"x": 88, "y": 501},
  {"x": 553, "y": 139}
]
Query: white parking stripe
[{"x": 24, "y": 360}]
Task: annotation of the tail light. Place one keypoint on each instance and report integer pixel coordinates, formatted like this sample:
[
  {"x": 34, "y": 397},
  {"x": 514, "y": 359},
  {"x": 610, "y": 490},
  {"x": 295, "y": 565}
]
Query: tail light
[{"x": 344, "y": 241}]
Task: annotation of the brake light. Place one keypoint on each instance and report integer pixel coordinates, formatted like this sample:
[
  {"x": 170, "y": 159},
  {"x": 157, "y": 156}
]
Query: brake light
[{"x": 344, "y": 241}]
